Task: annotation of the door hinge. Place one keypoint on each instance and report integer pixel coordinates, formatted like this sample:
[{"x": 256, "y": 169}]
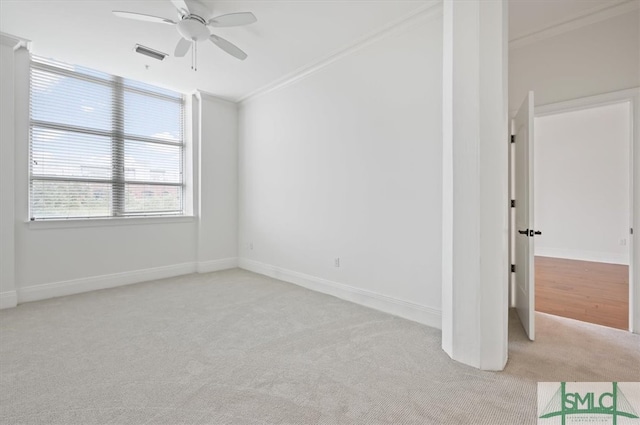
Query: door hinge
[
  {"x": 631, "y": 230},
  {"x": 513, "y": 138},
  {"x": 513, "y": 268},
  {"x": 513, "y": 203}
]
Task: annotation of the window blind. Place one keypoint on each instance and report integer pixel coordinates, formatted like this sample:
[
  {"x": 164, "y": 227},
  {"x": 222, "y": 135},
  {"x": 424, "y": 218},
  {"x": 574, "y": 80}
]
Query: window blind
[{"x": 102, "y": 145}]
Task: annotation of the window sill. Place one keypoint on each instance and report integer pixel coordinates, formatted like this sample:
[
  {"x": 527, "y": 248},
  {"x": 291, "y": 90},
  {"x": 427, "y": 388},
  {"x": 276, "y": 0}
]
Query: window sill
[{"x": 101, "y": 222}]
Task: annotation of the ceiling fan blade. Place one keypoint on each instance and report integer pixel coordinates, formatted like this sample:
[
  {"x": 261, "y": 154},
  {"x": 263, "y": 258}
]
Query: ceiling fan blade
[
  {"x": 233, "y": 19},
  {"x": 196, "y": 7},
  {"x": 182, "y": 48},
  {"x": 181, "y": 6},
  {"x": 142, "y": 17},
  {"x": 228, "y": 47}
]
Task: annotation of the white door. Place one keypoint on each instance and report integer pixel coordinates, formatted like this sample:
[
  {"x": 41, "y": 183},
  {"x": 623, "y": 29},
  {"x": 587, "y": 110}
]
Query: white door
[{"x": 524, "y": 230}]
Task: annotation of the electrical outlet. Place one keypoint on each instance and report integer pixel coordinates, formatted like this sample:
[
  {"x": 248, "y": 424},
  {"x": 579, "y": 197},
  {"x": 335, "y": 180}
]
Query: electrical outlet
[
  {"x": 336, "y": 261},
  {"x": 251, "y": 246},
  {"x": 623, "y": 242}
]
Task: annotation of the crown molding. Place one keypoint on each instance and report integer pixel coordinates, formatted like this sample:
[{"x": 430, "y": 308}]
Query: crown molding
[
  {"x": 13, "y": 41},
  {"x": 432, "y": 9},
  {"x": 580, "y": 20},
  {"x": 579, "y": 103},
  {"x": 201, "y": 94},
  {"x": 602, "y": 99}
]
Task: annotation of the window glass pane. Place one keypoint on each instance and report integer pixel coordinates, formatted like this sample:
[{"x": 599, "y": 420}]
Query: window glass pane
[
  {"x": 150, "y": 116},
  {"x": 84, "y": 130},
  {"x": 150, "y": 198},
  {"x": 154, "y": 89},
  {"x": 69, "y": 154},
  {"x": 152, "y": 162},
  {"x": 75, "y": 68},
  {"x": 59, "y": 199},
  {"x": 70, "y": 101}
]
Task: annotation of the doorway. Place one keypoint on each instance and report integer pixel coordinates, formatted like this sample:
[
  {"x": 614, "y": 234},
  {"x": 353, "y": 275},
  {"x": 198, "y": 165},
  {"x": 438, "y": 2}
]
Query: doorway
[{"x": 582, "y": 192}]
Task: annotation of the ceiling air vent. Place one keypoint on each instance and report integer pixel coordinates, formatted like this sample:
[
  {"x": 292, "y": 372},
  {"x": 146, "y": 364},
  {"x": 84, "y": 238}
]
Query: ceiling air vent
[{"x": 147, "y": 51}]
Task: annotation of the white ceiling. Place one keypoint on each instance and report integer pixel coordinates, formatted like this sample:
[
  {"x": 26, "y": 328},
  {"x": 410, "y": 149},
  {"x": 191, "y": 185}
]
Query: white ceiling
[{"x": 289, "y": 34}]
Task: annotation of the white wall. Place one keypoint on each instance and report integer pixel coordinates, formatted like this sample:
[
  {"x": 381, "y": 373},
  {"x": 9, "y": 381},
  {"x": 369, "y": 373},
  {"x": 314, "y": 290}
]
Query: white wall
[
  {"x": 53, "y": 259},
  {"x": 594, "y": 59},
  {"x": 218, "y": 224},
  {"x": 347, "y": 163},
  {"x": 581, "y": 161}
]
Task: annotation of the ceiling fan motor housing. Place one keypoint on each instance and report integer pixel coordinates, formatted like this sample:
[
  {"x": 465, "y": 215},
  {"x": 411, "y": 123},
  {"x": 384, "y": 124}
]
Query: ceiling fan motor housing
[{"x": 193, "y": 28}]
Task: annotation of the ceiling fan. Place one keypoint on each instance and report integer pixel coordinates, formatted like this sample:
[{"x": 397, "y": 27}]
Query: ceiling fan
[{"x": 193, "y": 26}]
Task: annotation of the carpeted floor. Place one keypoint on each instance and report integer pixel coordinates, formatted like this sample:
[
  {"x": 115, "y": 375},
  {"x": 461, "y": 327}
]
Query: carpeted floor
[{"x": 234, "y": 347}]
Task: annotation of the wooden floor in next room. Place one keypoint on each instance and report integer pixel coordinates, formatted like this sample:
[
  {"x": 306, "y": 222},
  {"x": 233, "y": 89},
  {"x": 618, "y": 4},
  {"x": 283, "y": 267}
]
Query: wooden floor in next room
[{"x": 583, "y": 290}]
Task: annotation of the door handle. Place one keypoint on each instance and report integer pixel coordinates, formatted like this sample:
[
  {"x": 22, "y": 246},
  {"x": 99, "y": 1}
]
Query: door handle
[{"x": 530, "y": 233}]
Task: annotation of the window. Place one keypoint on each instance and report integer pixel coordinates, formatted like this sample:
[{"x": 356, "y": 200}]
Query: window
[{"x": 103, "y": 146}]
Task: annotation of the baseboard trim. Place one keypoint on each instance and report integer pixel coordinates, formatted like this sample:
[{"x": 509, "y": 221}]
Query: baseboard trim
[
  {"x": 8, "y": 299},
  {"x": 407, "y": 310},
  {"x": 570, "y": 254},
  {"x": 77, "y": 286},
  {"x": 217, "y": 265}
]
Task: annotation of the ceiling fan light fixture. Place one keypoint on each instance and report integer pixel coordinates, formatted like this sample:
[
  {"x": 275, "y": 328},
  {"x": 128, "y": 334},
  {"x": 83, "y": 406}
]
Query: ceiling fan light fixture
[
  {"x": 193, "y": 28},
  {"x": 148, "y": 51}
]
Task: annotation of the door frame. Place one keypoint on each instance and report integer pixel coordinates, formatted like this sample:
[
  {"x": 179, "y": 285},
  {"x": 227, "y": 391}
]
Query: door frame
[{"x": 632, "y": 96}]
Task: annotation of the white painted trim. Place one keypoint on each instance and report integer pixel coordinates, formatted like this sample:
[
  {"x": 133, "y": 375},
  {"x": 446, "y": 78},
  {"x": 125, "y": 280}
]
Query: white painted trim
[
  {"x": 77, "y": 286},
  {"x": 572, "y": 254},
  {"x": 217, "y": 265},
  {"x": 201, "y": 94},
  {"x": 581, "y": 103},
  {"x": 447, "y": 179},
  {"x": 8, "y": 299},
  {"x": 418, "y": 313},
  {"x": 587, "y": 102},
  {"x": 592, "y": 16},
  {"x": 13, "y": 41},
  {"x": 107, "y": 221},
  {"x": 429, "y": 10}
]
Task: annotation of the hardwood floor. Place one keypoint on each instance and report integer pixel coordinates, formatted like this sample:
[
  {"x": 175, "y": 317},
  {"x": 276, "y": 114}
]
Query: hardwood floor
[{"x": 590, "y": 292}]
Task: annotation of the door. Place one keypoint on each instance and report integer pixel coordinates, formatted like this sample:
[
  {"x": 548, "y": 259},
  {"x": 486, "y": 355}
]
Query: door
[{"x": 524, "y": 233}]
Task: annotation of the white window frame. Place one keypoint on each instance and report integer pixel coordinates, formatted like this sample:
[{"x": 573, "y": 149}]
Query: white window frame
[{"x": 187, "y": 164}]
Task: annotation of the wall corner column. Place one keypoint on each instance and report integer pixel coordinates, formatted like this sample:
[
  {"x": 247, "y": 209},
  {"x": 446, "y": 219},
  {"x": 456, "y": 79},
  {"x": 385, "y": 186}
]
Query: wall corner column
[
  {"x": 217, "y": 171},
  {"x": 475, "y": 172},
  {"x": 9, "y": 45}
]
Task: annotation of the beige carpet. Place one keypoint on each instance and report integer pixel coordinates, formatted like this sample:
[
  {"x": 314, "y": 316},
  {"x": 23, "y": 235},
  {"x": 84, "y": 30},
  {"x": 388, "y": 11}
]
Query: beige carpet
[{"x": 238, "y": 348}]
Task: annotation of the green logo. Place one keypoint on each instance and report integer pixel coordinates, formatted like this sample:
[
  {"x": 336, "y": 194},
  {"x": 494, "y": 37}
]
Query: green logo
[{"x": 613, "y": 404}]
